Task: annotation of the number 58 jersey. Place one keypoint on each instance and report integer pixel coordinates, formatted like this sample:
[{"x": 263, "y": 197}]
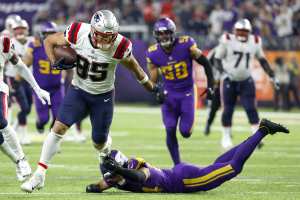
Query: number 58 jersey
[
  {"x": 237, "y": 56},
  {"x": 95, "y": 70}
]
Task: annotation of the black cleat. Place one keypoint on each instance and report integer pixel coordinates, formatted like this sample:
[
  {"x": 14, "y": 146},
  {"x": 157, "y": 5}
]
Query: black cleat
[
  {"x": 272, "y": 127},
  {"x": 93, "y": 188}
]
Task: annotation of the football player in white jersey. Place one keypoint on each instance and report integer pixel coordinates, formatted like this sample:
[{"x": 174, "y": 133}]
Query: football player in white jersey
[
  {"x": 9, "y": 143},
  {"x": 100, "y": 48},
  {"x": 233, "y": 56},
  {"x": 20, "y": 89},
  {"x": 7, "y": 32}
]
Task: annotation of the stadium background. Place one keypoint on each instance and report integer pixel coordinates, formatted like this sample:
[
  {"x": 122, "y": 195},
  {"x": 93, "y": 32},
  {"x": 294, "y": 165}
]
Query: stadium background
[{"x": 276, "y": 21}]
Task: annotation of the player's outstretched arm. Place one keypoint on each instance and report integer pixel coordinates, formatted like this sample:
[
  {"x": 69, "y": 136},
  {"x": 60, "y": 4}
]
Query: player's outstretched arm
[
  {"x": 141, "y": 76},
  {"x": 153, "y": 71},
  {"x": 53, "y": 40}
]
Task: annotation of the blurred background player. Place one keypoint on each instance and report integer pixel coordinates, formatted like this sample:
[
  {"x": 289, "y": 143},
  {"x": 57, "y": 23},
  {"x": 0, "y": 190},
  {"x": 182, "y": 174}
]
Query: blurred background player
[
  {"x": 214, "y": 103},
  {"x": 8, "y": 25},
  {"x": 173, "y": 57},
  {"x": 8, "y": 134},
  {"x": 233, "y": 56},
  {"x": 99, "y": 48},
  {"x": 20, "y": 90},
  {"x": 46, "y": 76},
  {"x": 136, "y": 175}
]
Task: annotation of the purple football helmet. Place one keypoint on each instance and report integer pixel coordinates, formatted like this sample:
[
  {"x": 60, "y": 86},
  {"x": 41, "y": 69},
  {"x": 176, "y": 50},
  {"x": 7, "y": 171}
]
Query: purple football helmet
[
  {"x": 164, "y": 31},
  {"x": 47, "y": 28},
  {"x": 119, "y": 157}
]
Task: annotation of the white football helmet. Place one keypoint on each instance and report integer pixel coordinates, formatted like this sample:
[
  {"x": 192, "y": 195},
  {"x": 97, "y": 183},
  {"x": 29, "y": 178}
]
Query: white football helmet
[
  {"x": 10, "y": 19},
  {"x": 20, "y": 29},
  {"x": 104, "y": 29},
  {"x": 242, "y": 29}
]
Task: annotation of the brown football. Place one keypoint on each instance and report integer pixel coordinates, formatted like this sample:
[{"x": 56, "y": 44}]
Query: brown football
[{"x": 69, "y": 54}]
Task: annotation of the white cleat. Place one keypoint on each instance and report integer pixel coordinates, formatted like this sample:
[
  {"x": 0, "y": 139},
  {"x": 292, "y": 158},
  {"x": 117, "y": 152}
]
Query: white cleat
[
  {"x": 226, "y": 143},
  {"x": 36, "y": 182},
  {"x": 80, "y": 137},
  {"x": 23, "y": 170}
]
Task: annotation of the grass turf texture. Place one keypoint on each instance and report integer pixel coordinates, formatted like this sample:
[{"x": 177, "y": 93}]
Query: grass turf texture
[{"x": 272, "y": 173}]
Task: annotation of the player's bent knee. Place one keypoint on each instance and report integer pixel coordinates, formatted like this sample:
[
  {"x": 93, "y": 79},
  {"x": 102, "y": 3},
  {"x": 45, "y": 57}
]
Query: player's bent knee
[
  {"x": 237, "y": 167},
  {"x": 59, "y": 128},
  {"x": 99, "y": 138},
  {"x": 186, "y": 134}
]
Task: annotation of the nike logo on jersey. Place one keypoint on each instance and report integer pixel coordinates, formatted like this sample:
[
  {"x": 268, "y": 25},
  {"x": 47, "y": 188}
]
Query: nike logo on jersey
[{"x": 106, "y": 100}]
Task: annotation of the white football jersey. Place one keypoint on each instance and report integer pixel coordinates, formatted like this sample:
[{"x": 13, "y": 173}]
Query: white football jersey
[
  {"x": 237, "y": 56},
  {"x": 20, "y": 49},
  {"x": 95, "y": 70},
  {"x": 6, "y": 52}
]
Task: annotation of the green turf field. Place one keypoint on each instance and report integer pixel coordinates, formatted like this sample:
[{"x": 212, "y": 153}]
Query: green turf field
[{"x": 272, "y": 173}]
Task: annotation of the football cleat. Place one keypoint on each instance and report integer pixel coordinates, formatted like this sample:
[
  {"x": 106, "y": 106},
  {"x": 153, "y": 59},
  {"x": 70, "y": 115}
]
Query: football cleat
[
  {"x": 23, "y": 169},
  {"x": 272, "y": 127},
  {"x": 37, "y": 181},
  {"x": 207, "y": 130}
]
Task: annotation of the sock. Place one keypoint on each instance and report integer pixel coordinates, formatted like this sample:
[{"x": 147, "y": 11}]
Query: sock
[
  {"x": 11, "y": 138},
  {"x": 5, "y": 148},
  {"x": 254, "y": 128},
  {"x": 106, "y": 148},
  {"x": 172, "y": 145},
  {"x": 227, "y": 132},
  {"x": 50, "y": 147},
  {"x": 246, "y": 148}
]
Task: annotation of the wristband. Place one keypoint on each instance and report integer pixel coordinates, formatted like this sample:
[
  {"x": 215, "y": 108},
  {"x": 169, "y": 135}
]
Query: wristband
[{"x": 144, "y": 80}]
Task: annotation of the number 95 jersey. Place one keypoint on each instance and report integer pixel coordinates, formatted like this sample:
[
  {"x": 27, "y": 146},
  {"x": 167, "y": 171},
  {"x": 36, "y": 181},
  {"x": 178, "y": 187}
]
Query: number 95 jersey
[
  {"x": 95, "y": 71},
  {"x": 237, "y": 56}
]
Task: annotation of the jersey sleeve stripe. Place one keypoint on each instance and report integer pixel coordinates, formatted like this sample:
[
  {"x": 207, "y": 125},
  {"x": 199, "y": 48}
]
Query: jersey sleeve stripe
[
  {"x": 6, "y": 44},
  {"x": 121, "y": 48},
  {"x": 72, "y": 35}
]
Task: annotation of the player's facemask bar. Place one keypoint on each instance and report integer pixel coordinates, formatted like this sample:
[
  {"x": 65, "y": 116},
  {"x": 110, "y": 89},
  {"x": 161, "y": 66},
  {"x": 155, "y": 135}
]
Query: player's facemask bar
[
  {"x": 165, "y": 37},
  {"x": 242, "y": 34},
  {"x": 103, "y": 41},
  {"x": 20, "y": 33}
]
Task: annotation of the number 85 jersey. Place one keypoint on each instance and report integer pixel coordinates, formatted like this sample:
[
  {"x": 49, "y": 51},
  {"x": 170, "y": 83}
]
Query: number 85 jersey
[
  {"x": 95, "y": 71},
  {"x": 237, "y": 56}
]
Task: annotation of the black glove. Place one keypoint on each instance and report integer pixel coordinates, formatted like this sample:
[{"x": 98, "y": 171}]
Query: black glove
[
  {"x": 159, "y": 94},
  {"x": 61, "y": 65},
  {"x": 210, "y": 93},
  {"x": 110, "y": 164}
]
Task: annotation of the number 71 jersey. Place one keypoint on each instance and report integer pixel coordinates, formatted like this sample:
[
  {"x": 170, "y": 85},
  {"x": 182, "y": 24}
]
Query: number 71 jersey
[
  {"x": 95, "y": 71},
  {"x": 237, "y": 56}
]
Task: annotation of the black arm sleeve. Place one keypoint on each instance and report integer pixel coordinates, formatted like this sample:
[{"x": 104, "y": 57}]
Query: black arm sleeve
[
  {"x": 131, "y": 174},
  {"x": 218, "y": 64},
  {"x": 202, "y": 60},
  {"x": 265, "y": 65}
]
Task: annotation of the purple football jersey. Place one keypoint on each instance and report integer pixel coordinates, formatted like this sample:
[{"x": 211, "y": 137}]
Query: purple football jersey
[
  {"x": 47, "y": 77},
  {"x": 176, "y": 66}
]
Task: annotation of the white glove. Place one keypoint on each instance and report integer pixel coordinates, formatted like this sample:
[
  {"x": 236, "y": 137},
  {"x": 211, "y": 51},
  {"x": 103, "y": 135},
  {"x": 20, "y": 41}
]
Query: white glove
[
  {"x": 275, "y": 82},
  {"x": 43, "y": 95}
]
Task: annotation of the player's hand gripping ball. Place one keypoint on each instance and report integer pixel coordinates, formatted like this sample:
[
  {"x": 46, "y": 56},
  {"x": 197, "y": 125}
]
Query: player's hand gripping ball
[{"x": 65, "y": 56}]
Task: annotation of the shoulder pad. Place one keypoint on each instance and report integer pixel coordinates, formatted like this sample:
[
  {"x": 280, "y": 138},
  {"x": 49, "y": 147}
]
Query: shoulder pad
[
  {"x": 71, "y": 33},
  {"x": 123, "y": 48},
  {"x": 5, "y": 44},
  {"x": 152, "y": 48}
]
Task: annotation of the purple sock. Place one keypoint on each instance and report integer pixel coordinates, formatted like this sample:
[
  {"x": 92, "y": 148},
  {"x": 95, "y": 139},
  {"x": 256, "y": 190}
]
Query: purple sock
[
  {"x": 244, "y": 150},
  {"x": 172, "y": 145}
]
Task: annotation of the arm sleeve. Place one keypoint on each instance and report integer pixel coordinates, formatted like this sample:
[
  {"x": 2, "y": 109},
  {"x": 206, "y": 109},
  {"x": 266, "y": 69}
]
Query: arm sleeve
[
  {"x": 259, "y": 51},
  {"x": 202, "y": 60}
]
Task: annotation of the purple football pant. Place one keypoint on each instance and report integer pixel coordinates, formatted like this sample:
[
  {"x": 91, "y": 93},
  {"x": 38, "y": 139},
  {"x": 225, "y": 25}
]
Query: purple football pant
[
  {"x": 43, "y": 110},
  {"x": 178, "y": 109},
  {"x": 225, "y": 167}
]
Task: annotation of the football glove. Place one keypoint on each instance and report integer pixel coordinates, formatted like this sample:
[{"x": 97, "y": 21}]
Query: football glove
[
  {"x": 61, "y": 65},
  {"x": 110, "y": 164},
  {"x": 210, "y": 93},
  {"x": 159, "y": 93},
  {"x": 275, "y": 82}
]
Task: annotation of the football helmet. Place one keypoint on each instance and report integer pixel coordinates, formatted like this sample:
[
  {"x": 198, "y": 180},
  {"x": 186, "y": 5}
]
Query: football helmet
[
  {"x": 119, "y": 157},
  {"x": 20, "y": 29},
  {"x": 164, "y": 32},
  {"x": 47, "y": 28},
  {"x": 104, "y": 29},
  {"x": 242, "y": 29},
  {"x": 9, "y": 20}
]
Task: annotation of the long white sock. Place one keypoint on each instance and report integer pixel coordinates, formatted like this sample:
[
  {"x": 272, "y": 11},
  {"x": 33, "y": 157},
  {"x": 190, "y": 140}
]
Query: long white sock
[
  {"x": 5, "y": 148},
  {"x": 226, "y": 132},
  {"x": 106, "y": 148},
  {"x": 11, "y": 138},
  {"x": 50, "y": 148}
]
